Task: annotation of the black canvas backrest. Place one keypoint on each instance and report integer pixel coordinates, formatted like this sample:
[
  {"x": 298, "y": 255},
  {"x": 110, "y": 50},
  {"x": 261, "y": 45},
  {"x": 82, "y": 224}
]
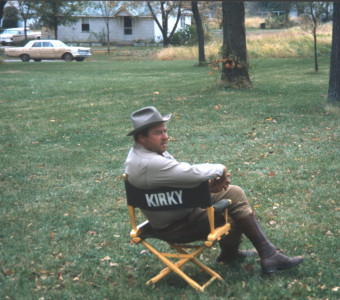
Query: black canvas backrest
[{"x": 168, "y": 198}]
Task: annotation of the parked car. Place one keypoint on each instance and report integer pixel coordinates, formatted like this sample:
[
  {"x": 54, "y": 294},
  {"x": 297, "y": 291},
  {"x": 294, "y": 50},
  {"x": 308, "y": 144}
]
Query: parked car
[
  {"x": 14, "y": 35},
  {"x": 48, "y": 49}
]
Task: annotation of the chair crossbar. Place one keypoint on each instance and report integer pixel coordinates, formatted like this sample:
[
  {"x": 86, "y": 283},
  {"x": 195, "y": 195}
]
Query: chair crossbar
[{"x": 175, "y": 266}]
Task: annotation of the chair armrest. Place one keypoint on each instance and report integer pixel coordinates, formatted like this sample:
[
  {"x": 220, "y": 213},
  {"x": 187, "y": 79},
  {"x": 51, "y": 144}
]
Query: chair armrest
[
  {"x": 140, "y": 230},
  {"x": 221, "y": 205}
]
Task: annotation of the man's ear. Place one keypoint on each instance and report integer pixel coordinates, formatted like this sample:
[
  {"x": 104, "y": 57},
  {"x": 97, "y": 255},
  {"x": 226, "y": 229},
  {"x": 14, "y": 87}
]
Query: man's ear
[{"x": 141, "y": 139}]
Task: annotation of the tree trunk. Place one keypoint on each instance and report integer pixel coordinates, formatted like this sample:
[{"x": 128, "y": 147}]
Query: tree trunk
[
  {"x": 2, "y": 6},
  {"x": 200, "y": 33},
  {"x": 316, "y": 66},
  {"x": 334, "y": 72},
  {"x": 234, "y": 52},
  {"x": 25, "y": 28},
  {"x": 108, "y": 36},
  {"x": 55, "y": 28}
]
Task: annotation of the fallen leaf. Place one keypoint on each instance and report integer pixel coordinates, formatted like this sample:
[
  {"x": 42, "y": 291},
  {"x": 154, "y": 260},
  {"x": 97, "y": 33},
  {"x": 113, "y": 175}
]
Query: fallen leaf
[
  {"x": 112, "y": 264},
  {"x": 106, "y": 258},
  {"x": 335, "y": 289},
  {"x": 77, "y": 277},
  {"x": 271, "y": 174},
  {"x": 8, "y": 272},
  {"x": 60, "y": 276},
  {"x": 249, "y": 267}
]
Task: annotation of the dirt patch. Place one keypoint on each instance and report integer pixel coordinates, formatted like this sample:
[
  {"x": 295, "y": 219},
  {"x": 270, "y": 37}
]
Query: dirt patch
[{"x": 11, "y": 72}]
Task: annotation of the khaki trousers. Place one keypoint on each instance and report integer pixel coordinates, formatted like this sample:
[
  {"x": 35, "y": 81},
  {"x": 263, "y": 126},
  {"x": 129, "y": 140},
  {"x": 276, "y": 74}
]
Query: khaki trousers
[{"x": 196, "y": 225}]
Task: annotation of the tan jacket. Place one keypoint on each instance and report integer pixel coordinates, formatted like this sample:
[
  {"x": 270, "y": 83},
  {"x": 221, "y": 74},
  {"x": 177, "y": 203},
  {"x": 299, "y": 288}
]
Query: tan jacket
[{"x": 147, "y": 169}]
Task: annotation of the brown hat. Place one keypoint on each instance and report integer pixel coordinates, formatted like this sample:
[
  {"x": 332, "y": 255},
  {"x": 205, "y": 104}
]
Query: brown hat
[{"x": 146, "y": 117}]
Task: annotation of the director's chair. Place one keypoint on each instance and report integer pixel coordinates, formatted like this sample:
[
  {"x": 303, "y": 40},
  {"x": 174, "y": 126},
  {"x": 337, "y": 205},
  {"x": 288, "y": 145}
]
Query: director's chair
[{"x": 176, "y": 198}]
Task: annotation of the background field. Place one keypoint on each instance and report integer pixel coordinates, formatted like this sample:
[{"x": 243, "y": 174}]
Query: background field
[{"x": 64, "y": 224}]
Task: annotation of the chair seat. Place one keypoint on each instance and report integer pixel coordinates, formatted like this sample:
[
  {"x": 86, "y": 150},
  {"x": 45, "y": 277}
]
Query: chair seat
[{"x": 146, "y": 231}]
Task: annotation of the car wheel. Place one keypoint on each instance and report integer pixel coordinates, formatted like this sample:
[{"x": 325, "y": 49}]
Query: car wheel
[
  {"x": 25, "y": 57},
  {"x": 67, "y": 57},
  {"x": 37, "y": 59},
  {"x": 80, "y": 58}
]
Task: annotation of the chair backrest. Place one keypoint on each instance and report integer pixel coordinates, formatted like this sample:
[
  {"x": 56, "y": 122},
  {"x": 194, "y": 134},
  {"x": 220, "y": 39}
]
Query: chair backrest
[{"x": 168, "y": 198}]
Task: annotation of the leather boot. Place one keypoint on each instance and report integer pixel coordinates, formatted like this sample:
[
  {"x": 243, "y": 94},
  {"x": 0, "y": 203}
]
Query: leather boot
[
  {"x": 229, "y": 245},
  {"x": 271, "y": 260}
]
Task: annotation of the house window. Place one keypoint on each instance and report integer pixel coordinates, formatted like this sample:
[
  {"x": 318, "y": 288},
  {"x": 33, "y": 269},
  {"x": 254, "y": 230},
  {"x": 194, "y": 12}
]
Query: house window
[
  {"x": 85, "y": 25},
  {"x": 127, "y": 25},
  {"x": 182, "y": 22}
]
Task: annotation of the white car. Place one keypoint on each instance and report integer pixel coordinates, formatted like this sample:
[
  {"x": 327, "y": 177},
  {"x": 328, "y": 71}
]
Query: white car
[
  {"x": 14, "y": 35},
  {"x": 48, "y": 49}
]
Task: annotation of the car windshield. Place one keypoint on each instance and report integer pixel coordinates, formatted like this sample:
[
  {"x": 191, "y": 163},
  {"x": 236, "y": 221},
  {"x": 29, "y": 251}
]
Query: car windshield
[{"x": 11, "y": 31}]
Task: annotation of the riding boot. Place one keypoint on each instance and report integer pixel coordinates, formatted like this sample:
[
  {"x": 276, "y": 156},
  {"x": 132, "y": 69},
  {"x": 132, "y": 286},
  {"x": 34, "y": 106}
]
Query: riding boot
[
  {"x": 229, "y": 246},
  {"x": 271, "y": 259}
]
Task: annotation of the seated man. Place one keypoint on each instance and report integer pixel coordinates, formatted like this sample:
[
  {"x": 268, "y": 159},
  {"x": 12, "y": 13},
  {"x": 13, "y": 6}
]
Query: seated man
[{"x": 149, "y": 165}]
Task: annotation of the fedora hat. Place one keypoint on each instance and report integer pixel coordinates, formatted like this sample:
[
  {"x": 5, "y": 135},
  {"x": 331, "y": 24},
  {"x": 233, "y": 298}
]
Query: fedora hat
[{"x": 146, "y": 117}]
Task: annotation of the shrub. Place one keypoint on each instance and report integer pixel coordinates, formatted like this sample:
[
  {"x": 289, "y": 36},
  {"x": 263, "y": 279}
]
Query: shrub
[{"x": 187, "y": 36}]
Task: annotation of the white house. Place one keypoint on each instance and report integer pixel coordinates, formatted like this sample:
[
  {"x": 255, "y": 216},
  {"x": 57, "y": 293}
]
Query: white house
[{"x": 126, "y": 27}]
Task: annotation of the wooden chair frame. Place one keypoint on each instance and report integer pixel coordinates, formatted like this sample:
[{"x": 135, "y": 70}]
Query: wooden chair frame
[{"x": 183, "y": 255}]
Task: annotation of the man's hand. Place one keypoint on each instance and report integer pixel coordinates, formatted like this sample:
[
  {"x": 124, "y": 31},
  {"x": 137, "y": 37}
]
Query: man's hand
[{"x": 220, "y": 183}]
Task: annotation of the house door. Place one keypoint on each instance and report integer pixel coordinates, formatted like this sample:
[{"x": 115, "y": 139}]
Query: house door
[{"x": 128, "y": 28}]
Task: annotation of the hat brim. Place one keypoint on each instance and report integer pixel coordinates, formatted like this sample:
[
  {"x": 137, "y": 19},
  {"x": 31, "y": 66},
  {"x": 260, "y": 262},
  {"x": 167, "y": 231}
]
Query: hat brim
[{"x": 165, "y": 119}]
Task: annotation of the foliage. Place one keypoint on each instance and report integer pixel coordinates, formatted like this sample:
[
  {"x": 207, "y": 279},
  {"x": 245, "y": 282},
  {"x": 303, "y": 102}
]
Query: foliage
[
  {"x": 10, "y": 18},
  {"x": 187, "y": 36},
  {"x": 54, "y": 13},
  {"x": 64, "y": 230},
  {"x": 275, "y": 21}
]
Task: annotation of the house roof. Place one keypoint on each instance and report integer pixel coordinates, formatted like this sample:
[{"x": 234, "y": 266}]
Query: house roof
[{"x": 121, "y": 11}]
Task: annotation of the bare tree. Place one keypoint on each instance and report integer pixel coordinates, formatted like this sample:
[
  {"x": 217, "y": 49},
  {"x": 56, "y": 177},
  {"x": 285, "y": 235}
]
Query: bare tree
[
  {"x": 107, "y": 9},
  {"x": 234, "y": 52},
  {"x": 310, "y": 22},
  {"x": 334, "y": 73},
  {"x": 166, "y": 9}
]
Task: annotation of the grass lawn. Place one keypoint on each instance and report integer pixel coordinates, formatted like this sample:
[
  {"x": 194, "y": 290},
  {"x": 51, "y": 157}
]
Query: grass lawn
[{"x": 64, "y": 230}]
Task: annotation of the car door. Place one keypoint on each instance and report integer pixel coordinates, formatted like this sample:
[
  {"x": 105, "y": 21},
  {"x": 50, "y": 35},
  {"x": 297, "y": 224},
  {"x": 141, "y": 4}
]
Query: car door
[
  {"x": 47, "y": 50},
  {"x": 35, "y": 50}
]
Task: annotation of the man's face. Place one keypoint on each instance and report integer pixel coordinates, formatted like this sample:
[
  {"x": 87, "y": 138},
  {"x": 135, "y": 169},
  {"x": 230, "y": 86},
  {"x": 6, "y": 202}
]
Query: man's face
[{"x": 156, "y": 140}]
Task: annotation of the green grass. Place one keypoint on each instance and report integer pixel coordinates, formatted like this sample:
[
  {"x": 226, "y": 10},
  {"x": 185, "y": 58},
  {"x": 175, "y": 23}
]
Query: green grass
[{"x": 64, "y": 229}]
